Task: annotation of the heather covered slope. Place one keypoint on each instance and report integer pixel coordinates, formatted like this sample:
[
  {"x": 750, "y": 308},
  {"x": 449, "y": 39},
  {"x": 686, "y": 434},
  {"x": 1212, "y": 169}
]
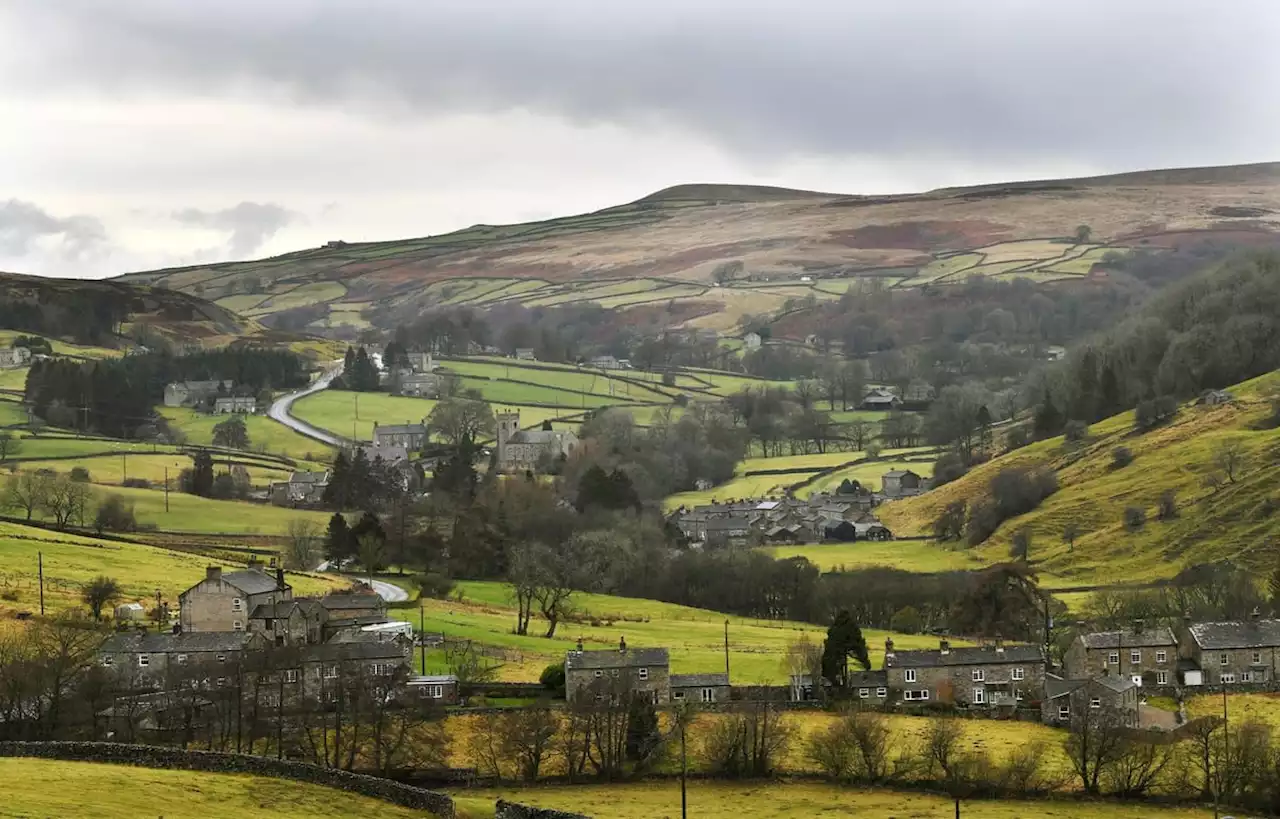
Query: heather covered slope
[
  {"x": 1238, "y": 521},
  {"x": 710, "y": 254}
]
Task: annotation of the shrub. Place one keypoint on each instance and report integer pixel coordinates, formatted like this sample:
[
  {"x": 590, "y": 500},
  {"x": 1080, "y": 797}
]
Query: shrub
[
  {"x": 1075, "y": 431},
  {"x": 136, "y": 483},
  {"x": 435, "y": 585},
  {"x": 552, "y": 677},
  {"x": 874, "y": 449},
  {"x": 115, "y": 515},
  {"x": 1152, "y": 413},
  {"x": 947, "y": 468},
  {"x": 1167, "y": 509},
  {"x": 1121, "y": 457},
  {"x": 1134, "y": 518},
  {"x": 907, "y": 620},
  {"x": 79, "y": 474},
  {"x": 1016, "y": 438}
]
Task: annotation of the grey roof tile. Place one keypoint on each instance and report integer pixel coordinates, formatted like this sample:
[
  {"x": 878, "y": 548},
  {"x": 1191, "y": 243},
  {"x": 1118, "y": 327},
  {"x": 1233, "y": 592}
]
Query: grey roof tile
[
  {"x": 1237, "y": 634},
  {"x": 975, "y": 655},
  {"x": 631, "y": 658},
  {"x": 1146, "y": 638},
  {"x": 699, "y": 680}
]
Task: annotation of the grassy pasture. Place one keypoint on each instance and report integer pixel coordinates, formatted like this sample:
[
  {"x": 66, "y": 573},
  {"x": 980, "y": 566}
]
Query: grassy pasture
[
  {"x": 113, "y": 469},
  {"x": 789, "y": 800},
  {"x": 265, "y": 435},
  {"x": 590, "y": 381},
  {"x": 868, "y": 474},
  {"x": 695, "y": 637},
  {"x": 195, "y": 515},
  {"x": 506, "y": 393},
  {"x": 335, "y": 411},
  {"x": 14, "y": 379},
  {"x": 910, "y": 556},
  {"x": 301, "y": 296},
  {"x": 11, "y": 412},
  {"x": 62, "y": 347},
  {"x": 37, "y": 787}
]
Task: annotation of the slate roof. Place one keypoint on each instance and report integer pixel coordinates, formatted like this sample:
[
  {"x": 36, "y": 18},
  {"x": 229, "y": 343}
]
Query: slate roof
[
  {"x": 388, "y": 454},
  {"x": 542, "y": 436},
  {"x": 728, "y": 524},
  {"x": 251, "y": 581},
  {"x": 975, "y": 655},
  {"x": 1056, "y": 687},
  {"x": 1237, "y": 634},
  {"x": 355, "y": 600},
  {"x": 186, "y": 642},
  {"x": 309, "y": 477},
  {"x": 869, "y": 679},
  {"x": 1146, "y": 638},
  {"x": 362, "y": 650},
  {"x": 899, "y": 473},
  {"x": 401, "y": 429},
  {"x": 631, "y": 658},
  {"x": 698, "y": 680},
  {"x": 285, "y": 609}
]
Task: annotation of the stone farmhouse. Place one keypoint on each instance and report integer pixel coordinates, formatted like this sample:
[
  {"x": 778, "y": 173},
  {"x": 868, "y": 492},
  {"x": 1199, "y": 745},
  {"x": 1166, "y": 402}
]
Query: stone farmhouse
[
  {"x": 193, "y": 393},
  {"x": 519, "y": 450},
  {"x": 148, "y": 659},
  {"x": 821, "y": 517},
  {"x": 644, "y": 672},
  {"x": 14, "y": 357},
  {"x": 990, "y": 676},
  {"x": 302, "y": 489},
  {"x": 1066, "y": 697},
  {"x": 700, "y": 688},
  {"x": 412, "y": 437},
  {"x": 1230, "y": 653},
  {"x": 290, "y": 622},
  {"x": 881, "y": 399},
  {"x": 235, "y": 404},
  {"x": 1146, "y": 656},
  {"x": 224, "y": 601},
  {"x": 901, "y": 483}
]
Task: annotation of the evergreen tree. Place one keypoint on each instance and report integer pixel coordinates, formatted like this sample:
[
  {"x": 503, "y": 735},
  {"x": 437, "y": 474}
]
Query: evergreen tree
[
  {"x": 338, "y": 544},
  {"x": 844, "y": 640},
  {"x": 457, "y": 476},
  {"x": 202, "y": 475},
  {"x": 335, "y": 492}
]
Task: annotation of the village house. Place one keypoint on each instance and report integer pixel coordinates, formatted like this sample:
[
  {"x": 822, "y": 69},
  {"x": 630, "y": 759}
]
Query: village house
[
  {"x": 871, "y": 530},
  {"x": 1147, "y": 656},
  {"x": 604, "y": 362},
  {"x": 898, "y": 483},
  {"x": 1230, "y": 653},
  {"x": 525, "y": 354},
  {"x": 421, "y": 362},
  {"x": 290, "y": 622},
  {"x": 327, "y": 666},
  {"x": 643, "y": 671},
  {"x": 991, "y": 676},
  {"x": 348, "y": 605},
  {"x": 752, "y": 341},
  {"x": 870, "y": 687},
  {"x": 412, "y": 437},
  {"x": 146, "y": 660},
  {"x": 704, "y": 689},
  {"x": 191, "y": 393},
  {"x": 235, "y": 404},
  {"x": 441, "y": 689},
  {"x": 1107, "y": 693},
  {"x": 423, "y": 385},
  {"x": 728, "y": 531},
  {"x": 223, "y": 601},
  {"x": 880, "y": 399},
  {"x": 14, "y": 357},
  {"x": 302, "y": 489},
  {"x": 519, "y": 450}
]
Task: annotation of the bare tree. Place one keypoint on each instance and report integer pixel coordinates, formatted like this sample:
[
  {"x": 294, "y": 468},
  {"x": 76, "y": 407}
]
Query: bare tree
[
  {"x": 1096, "y": 741},
  {"x": 98, "y": 593},
  {"x": 9, "y": 445},
  {"x": 26, "y": 492},
  {"x": 527, "y": 737},
  {"x": 302, "y": 552},
  {"x": 1228, "y": 456},
  {"x": 66, "y": 500},
  {"x": 747, "y": 741}
]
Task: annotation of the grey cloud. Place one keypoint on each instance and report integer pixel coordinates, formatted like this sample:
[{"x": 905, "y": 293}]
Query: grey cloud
[
  {"x": 1116, "y": 84},
  {"x": 250, "y": 224},
  {"x": 24, "y": 225}
]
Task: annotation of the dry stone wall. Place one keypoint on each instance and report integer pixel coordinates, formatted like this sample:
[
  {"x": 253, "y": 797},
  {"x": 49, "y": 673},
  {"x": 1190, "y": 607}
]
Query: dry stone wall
[{"x": 513, "y": 810}]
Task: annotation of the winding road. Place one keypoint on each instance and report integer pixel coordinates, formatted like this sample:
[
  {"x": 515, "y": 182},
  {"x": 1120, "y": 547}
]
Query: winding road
[{"x": 282, "y": 409}]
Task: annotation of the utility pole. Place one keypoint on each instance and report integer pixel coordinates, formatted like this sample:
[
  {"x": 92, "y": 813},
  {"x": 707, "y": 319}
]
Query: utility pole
[
  {"x": 726, "y": 647},
  {"x": 40, "y": 559},
  {"x": 422, "y": 639},
  {"x": 124, "y": 466},
  {"x": 166, "y": 489}
]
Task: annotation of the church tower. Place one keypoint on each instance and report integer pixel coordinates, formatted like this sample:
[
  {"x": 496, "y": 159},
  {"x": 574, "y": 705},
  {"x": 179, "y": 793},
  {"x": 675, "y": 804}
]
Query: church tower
[{"x": 508, "y": 426}]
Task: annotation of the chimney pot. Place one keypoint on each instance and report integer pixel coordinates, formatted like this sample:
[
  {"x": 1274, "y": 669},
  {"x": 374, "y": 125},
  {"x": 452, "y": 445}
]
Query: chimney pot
[
  {"x": 622, "y": 644},
  {"x": 213, "y": 573},
  {"x": 944, "y": 646}
]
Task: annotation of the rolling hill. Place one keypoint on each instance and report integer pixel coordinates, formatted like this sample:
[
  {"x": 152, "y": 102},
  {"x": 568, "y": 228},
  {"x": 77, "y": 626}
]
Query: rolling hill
[
  {"x": 1237, "y": 521},
  {"x": 705, "y": 255}
]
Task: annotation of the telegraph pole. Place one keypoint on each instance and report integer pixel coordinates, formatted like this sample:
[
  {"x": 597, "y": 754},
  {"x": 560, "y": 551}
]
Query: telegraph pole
[
  {"x": 40, "y": 560},
  {"x": 726, "y": 647},
  {"x": 166, "y": 489},
  {"x": 422, "y": 639}
]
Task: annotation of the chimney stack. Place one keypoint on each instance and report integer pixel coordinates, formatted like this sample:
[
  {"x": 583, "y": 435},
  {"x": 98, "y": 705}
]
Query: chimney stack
[
  {"x": 213, "y": 573},
  {"x": 1255, "y": 615},
  {"x": 944, "y": 645},
  {"x": 579, "y": 645},
  {"x": 999, "y": 644},
  {"x": 888, "y": 647},
  {"x": 255, "y": 562},
  {"x": 622, "y": 644},
  {"x": 280, "y": 578}
]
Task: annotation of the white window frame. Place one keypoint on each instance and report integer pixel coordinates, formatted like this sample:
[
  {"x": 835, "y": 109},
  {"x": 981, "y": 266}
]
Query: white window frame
[
  {"x": 597, "y": 673},
  {"x": 1246, "y": 676},
  {"x": 379, "y": 669},
  {"x": 1019, "y": 673},
  {"x": 1162, "y": 656},
  {"x": 909, "y": 675},
  {"x": 435, "y": 691},
  {"x": 1226, "y": 678},
  {"x": 1064, "y": 712},
  {"x": 1017, "y": 695},
  {"x": 1224, "y": 659},
  {"x": 916, "y": 694},
  {"x": 642, "y": 673},
  {"x": 1257, "y": 658},
  {"x": 1162, "y": 678},
  {"x": 222, "y": 658},
  {"x": 1135, "y": 656},
  {"x": 708, "y": 695},
  {"x": 330, "y": 672},
  {"x": 182, "y": 659},
  {"x": 863, "y": 693},
  {"x": 678, "y": 696},
  {"x": 237, "y": 604},
  {"x": 979, "y": 675},
  {"x": 1096, "y": 702},
  {"x": 291, "y": 675},
  {"x": 107, "y": 660},
  {"x": 237, "y": 625},
  {"x": 222, "y": 681},
  {"x": 1113, "y": 658},
  {"x": 144, "y": 660},
  {"x": 979, "y": 696},
  {"x": 882, "y": 692}
]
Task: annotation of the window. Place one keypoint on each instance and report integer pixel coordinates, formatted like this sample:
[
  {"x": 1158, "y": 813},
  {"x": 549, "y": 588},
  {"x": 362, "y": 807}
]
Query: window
[
  {"x": 922, "y": 694},
  {"x": 979, "y": 696},
  {"x": 597, "y": 674},
  {"x": 1017, "y": 695},
  {"x": 222, "y": 681},
  {"x": 381, "y": 669},
  {"x": 1224, "y": 659},
  {"x": 237, "y": 626},
  {"x": 643, "y": 673},
  {"x": 1019, "y": 673},
  {"x": 678, "y": 696},
  {"x": 1246, "y": 676},
  {"x": 613, "y": 673},
  {"x": 182, "y": 659},
  {"x": 909, "y": 675},
  {"x": 237, "y": 604},
  {"x": 144, "y": 660},
  {"x": 882, "y": 692},
  {"x": 107, "y": 660},
  {"x": 864, "y": 692},
  {"x": 291, "y": 675},
  {"x": 1257, "y": 658},
  {"x": 1226, "y": 677},
  {"x": 1096, "y": 702},
  {"x": 708, "y": 695},
  {"x": 330, "y": 672},
  {"x": 1162, "y": 656},
  {"x": 1135, "y": 656},
  {"x": 435, "y": 692},
  {"x": 1064, "y": 711},
  {"x": 222, "y": 658},
  {"x": 1162, "y": 678},
  {"x": 1114, "y": 658},
  {"x": 979, "y": 675}
]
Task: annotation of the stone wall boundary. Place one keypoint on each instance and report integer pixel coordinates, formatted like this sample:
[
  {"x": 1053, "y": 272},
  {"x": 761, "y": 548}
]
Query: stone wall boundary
[
  {"x": 154, "y": 756},
  {"x": 514, "y": 810}
]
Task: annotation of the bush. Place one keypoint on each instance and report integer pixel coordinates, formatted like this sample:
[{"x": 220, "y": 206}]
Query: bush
[
  {"x": 947, "y": 468},
  {"x": 435, "y": 585},
  {"x": 136, "y": 483},
  {"x": 1167, "y": 509},
  {"x": 1014, "y": 491},
  {"x": 552, "y": 677},
  {"x": 1151, "y": 414},
  {"x": 114, "y": 515},
  {"x": 907, "y": 620},
  {"x": 874, "y": 449},
  {"x": 1075, "y": 431},
  {"x": 1121, "y": 457},
  {"x": 1134, "y": 519},
  {"x": 79, "y": 474},
  {"x": 1016, "y": 438}
]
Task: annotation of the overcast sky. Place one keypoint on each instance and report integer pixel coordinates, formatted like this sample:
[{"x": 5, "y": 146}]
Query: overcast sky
[{"x": 142, "y": 133}]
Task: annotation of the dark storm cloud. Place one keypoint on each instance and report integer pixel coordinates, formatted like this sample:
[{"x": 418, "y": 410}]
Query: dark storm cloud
[
  {"x": 1114, "y": 83},
  {"x": 24, "y": 225},
  {"x": 250, "y": 224}
]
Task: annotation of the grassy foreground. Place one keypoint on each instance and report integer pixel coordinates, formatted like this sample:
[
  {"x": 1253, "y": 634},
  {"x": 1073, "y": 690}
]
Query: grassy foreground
[
  {"x": 774, "y": 800},
  {"x": 45, "y": 788}
]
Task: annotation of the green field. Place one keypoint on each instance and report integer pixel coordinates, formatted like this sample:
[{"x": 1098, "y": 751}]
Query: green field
[
  {"x": 11, "y": 413},
  {"x": 695, "y": 637},
  {"x": 195, "y": 515},
  {"x": 265, "y": 435},
  {"x": 14, "y": 379},
  {"x": 1093, "y": 495},
  {"x": 909, "y": 556},
  {"x": 45, "y": 788},
  {"x": 590, "y": 381},
  {"x": 336, "y": 411},
  {"x": 111, "y": 470},
  {"x": 868, "y": 474},
  {"x": 71, "y": 560},
  {"x": 790, "y": 800}
]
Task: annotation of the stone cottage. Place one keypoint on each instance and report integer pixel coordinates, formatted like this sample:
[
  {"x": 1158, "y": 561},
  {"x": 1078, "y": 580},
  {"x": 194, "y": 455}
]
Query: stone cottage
[
  {"x": 223, "y": 601},
  {"x": 991, "y": 676},
  {"x": 642, "y": 671}
]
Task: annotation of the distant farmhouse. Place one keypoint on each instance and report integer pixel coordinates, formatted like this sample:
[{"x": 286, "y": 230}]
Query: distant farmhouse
[
  {"x": 412, "y": 437},
  {"x": 302, "y": 489},
  {"x": 235, "y": 404},
  {"x": 193, "y": 393},
  {"x": 519, "y": 450},
  {"x": 14, "y": 357},
  {"x": 881, "y": 399}
]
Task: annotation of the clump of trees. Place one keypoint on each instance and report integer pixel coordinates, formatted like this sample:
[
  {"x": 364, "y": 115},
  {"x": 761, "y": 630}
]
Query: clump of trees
[{"x": 1011, "y": 492}]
